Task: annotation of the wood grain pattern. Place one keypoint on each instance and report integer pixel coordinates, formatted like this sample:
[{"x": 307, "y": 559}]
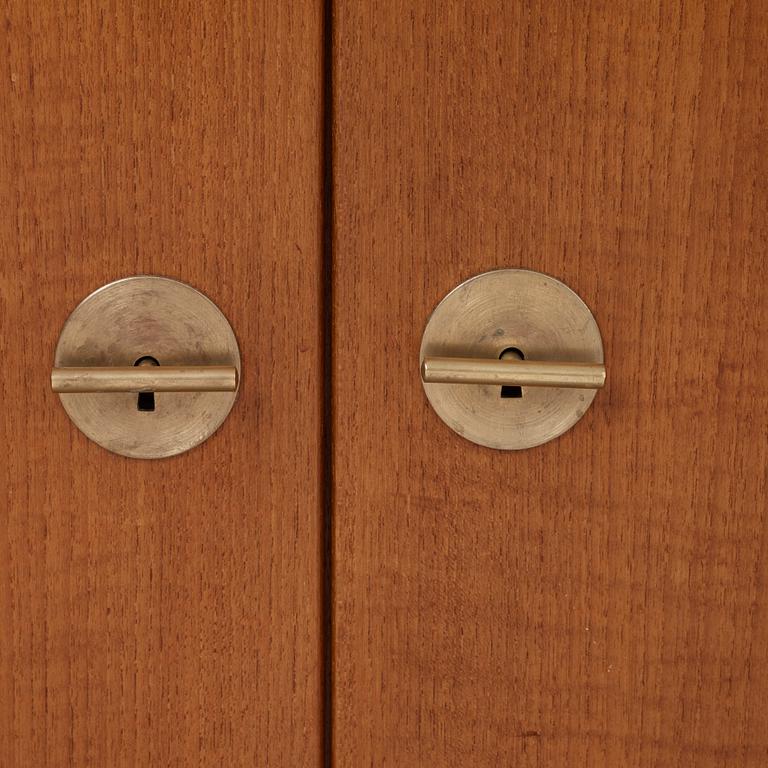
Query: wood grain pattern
[
  {"x": 161, "y": 613},
  {"x": 600, "y": 600}
]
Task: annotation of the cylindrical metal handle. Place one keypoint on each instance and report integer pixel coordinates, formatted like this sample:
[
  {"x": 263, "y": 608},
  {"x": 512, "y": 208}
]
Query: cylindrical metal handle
[
  {"x": 152, "y": 378},
  {"x": 512, "y": 372}
]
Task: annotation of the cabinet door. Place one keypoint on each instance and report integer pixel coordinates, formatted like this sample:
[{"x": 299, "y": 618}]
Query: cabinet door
[
  {"x": 161, "y": 613},
  {"x": 599, "y": 600}
]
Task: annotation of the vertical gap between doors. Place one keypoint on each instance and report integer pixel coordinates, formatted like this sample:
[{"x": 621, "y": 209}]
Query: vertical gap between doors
[{"x": 326, "y": 330}]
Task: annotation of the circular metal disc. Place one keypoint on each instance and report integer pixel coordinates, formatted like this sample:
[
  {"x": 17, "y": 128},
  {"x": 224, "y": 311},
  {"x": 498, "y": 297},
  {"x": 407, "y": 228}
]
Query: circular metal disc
[
  {"x": 156, "y": 317},
  {"x": 495, "y": 311}
]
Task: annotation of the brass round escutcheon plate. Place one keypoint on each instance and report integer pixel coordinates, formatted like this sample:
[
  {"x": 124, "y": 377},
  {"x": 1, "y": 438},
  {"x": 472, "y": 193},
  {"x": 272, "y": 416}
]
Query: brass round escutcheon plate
[
  {"x": 140, "y": 318},
  {"x": 522, "y": 313}
]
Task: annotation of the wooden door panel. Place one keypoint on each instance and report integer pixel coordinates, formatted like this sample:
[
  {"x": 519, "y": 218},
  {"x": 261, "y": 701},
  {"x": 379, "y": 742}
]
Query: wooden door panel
[
  {"x": 598, "y": 600},
  {"x": 161, "y": 612}
]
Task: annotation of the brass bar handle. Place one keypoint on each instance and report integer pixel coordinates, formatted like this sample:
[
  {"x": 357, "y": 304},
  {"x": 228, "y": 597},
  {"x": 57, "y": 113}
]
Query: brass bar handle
[
  {"x": 512, "y": 372},
  {"x": 150, "y": 378}
]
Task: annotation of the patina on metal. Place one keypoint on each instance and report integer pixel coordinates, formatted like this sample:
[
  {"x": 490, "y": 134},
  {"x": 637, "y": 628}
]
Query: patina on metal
[
  {"x": 99, "y": 367},
  {"x": 557, "y": 362}
]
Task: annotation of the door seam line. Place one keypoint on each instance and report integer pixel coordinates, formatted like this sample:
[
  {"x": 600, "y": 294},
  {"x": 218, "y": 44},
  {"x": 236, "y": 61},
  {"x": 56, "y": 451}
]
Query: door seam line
[{"x": 326, "y": 343}]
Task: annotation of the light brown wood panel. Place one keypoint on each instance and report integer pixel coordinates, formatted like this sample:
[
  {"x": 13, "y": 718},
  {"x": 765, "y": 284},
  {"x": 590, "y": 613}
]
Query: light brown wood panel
[
  {"x": 161, "y": 613},
  {"x": 600, "y": 600}
]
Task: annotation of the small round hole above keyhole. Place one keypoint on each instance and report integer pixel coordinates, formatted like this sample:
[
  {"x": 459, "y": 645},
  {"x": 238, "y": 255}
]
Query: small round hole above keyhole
[
  {"x": 145, "y": 402},
  {"x": 511, "y": 391}
]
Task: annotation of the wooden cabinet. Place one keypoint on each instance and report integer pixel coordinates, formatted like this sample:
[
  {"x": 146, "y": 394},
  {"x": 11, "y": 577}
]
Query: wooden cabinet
[
  {"x": 336, "y": 578},
  {"x": 598, "y": 600},
  {"x": 161, "y": 613}
]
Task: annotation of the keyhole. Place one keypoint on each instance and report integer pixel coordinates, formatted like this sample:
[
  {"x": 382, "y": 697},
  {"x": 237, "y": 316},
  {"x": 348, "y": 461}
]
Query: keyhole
[
  {"x": 146, "y": 400},
  {"x": 511, "y": 390}
]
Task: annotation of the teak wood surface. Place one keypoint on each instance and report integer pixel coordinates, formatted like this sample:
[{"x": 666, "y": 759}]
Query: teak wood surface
[
  {"x": 600, "y": 600},
  {"x": 161, "y": 613},
  {"x": 597, "y": 601}
]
